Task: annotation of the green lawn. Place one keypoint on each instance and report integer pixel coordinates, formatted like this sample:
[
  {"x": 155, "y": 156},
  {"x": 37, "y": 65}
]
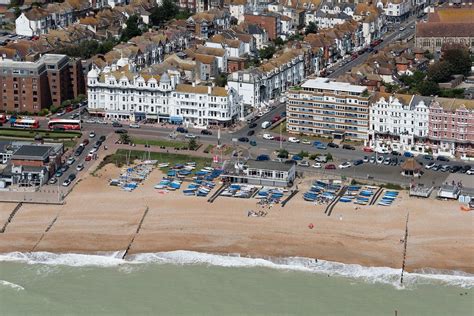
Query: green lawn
[
  {"x": 119, "y": 158},
  {"x": 160, "y": 142},
  {"x": 46, "y": 134},
  {"x": 276, "y": 129}
]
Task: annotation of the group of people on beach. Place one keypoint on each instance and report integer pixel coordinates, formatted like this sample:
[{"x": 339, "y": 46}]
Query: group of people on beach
[{"x": 252, "y": 213}]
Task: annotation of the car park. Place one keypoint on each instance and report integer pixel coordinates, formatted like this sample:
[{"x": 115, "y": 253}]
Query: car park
[
  {"x": 333, "y": 145},
  {"x": 70, "y": 160},
  {"x": 345, "y": 165},
  {"x": 206, "y": 132},
  {"x": 134, "y": 125},
  {"x": 267, "y": 136},
  {"x": 293, "y": 140},
  {"x": 53, "y": 180},
  {"x": 349, "y": 147},
  {"x": 79, "y": 167},
  {"x": 380, "y": 159},
  {"x": 330, "y": 166},
  {"x": 190, "y": 136},
  {"x": 243, "y": 139},
  {"x": 121, "y": 131},
  {"x": 303, "y": 163},
  {"x": 250, "y": 133},
  {"x": 429, "y": 165},
  {"x": 92, "y": 134}
]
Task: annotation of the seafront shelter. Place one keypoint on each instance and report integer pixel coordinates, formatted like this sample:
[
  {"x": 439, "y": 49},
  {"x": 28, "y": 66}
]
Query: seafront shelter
[{"x": 266, "y": 173}]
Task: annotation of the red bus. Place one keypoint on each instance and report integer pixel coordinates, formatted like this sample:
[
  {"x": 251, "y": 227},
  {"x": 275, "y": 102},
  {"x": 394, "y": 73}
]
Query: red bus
[
  {"x": 64, "y": 124},
  {"x": 25, "y": 123}
]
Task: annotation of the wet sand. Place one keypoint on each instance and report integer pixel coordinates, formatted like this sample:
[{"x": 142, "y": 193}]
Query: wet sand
[{"x": 100, "y": 218}]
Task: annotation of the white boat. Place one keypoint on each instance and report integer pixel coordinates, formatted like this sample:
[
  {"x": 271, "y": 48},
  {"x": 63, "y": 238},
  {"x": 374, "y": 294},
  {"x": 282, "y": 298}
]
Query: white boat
[
  {"x": 163, "y": 165},
  {"x": 209, "y": 169}
]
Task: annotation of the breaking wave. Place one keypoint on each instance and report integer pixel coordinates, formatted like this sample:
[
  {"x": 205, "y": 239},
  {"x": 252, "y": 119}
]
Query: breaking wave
[
  {"x": 11, "y": 285},
  {"x": 383, "y": 275}
]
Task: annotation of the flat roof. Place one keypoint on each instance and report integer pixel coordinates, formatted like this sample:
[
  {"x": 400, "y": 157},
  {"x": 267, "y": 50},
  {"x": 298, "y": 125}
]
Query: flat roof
[
  {"x": 269, "y": 165},
  {"x": 31, "y": 151},
  {"x": 325, "y": 84}
]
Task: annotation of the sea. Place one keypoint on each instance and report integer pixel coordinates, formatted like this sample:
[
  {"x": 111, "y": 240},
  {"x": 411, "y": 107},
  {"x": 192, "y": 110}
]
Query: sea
[{"x": 192, "y": 283}]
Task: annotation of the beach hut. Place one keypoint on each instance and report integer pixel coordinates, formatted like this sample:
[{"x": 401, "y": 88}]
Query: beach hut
[{"x": 411, "y": 168}]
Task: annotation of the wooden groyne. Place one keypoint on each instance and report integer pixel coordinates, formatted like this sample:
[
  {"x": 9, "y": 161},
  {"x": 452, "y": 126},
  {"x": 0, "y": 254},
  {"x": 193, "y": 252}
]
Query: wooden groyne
[
  {"x": 136, "y": 232},
  {"x": 405, "y": 249},
  {"x": 333, "y": 203},
  {"x": 289, "y": 198},
  {"x": 10, "y": 217},
  {"x": 218, "y": 192},
  {"x": 376, "y": 196}
]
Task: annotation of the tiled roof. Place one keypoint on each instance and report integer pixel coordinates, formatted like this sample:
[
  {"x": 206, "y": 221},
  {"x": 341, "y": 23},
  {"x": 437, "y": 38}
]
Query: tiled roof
[
  {"x": 205, "y": 59},
  {"x": 441, "y": 29},
  {"x": 215, "y": 91},
  {"x": 36, "y": 13},
  {"x": 211, "y": 51}
]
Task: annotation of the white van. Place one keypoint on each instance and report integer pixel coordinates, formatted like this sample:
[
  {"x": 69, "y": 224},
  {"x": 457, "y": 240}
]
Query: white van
[{"x": 266, "y": 124}]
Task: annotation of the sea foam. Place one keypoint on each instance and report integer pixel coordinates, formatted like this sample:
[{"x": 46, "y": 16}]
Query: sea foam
[
  {"x": 11, "y": 285},
  {"x": 383, "y": 275}
]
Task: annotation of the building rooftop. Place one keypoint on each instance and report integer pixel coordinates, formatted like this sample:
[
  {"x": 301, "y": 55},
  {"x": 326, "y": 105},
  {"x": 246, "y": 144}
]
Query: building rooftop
[
  {"x": 269, "y": 165},
  {"x": 32, "y": 152},
  {"x": 325, "y": 84}
]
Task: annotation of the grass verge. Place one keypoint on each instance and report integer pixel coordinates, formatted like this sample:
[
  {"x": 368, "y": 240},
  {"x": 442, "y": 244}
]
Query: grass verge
[
  {"x": 160, "y": 142},
  {"x": 23, "y": 133},
  {"x": 119, "y": 158}
]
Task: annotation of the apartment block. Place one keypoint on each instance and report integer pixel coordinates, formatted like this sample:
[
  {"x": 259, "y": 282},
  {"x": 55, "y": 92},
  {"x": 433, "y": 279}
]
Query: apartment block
[
  {"x": 326, "y": 108},
  {"x": 30, "y": 86},
  {"x": 271, "y": 22}
]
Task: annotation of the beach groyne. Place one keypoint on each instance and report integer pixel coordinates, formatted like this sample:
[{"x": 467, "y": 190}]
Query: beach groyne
[{"x": 10, "y": 217}]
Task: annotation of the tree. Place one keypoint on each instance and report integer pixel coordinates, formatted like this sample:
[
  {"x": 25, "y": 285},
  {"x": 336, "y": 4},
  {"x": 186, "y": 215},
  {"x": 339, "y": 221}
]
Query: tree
[
  {"x": 124, "y": 138},
  {"x": 440, "y": 72},
  {"x": 459, "y": 59},
  {"x": 131, "y": 30},
  {"x": 221, "y": 80},
  {"x": 428, "y": 54},
  {"x": 267, "y": 52},
  {"x": 166, "y": 11},
  {"x": 279, "y": 42},
  {"x": 283, "y": 153},
  {"x": 192, "y": 145},
  {"x": 428, "y": 88},
  {"x": 311, "y": 28}
]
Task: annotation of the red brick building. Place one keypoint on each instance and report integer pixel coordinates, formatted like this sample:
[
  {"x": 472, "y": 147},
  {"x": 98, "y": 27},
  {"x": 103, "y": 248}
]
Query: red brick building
[
  {"x": 269, "y": 21},
  {"x": 30, "y": 86}
]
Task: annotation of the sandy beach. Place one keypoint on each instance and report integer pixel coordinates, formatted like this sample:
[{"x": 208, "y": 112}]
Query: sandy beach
[{"x": 99, "y": 218}]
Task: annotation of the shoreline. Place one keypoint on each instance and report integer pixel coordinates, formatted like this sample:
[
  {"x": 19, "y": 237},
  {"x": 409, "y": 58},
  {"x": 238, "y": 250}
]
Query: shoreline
[
  {"x": 372, "y": 274},
  {"x": 97, "y": 218}
]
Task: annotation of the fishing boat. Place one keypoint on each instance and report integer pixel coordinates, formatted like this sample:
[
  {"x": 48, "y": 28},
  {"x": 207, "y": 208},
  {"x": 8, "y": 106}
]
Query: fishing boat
[
  {"x": 189, "y": 192},
  {"x": 163, "y": 165}
]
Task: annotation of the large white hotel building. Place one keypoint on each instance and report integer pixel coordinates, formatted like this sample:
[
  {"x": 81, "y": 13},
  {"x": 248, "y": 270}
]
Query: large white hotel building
[
  {"x": 326, "y": 108},
  {"x": 125, "y": 95}
]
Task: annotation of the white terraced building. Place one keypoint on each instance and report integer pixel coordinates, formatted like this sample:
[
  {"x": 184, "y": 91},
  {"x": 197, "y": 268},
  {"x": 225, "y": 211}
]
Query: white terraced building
[{"x": 124, "y": 95}]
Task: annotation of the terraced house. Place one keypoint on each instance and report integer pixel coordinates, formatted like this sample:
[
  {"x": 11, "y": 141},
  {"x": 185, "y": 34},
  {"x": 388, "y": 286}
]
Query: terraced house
[{"x": 337, "y": 110}]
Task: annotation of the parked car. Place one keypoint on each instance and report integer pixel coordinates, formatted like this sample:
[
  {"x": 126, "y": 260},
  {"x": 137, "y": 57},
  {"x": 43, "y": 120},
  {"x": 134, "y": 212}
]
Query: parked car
[
  {"x": 121, "y": 131},
  {"x": 206, "y": 132},
  {"x": 92, "y": 134},
  {"x": 333, "y": 145},
  {"x": 243, "y": 139},
  {"x": 470, "y": 171},
  {"x": 85, "y": 142},
  {"x": 349, "y": 147},
  {"x": 276, "y": 119},
  {"x": 182, "y": 130},
  {"x": 58, "y": 173},
  {"x": 79, "y": 167},
  {"x": 408, "y": 154},
  {"x": 190, "y": 136},
  {"x": 428, "y": 157},
  {"x": 266, "y": 124},
  {"x": 303, "y": 163},
  {"x": 297, "y": 157},
  {"x": 305, "y": 142},
  {"x": 358, "y": 162},
  {"x": 330, "y": 166},
  {"x": 436, "y": 167},
  {"x": 395, "y": 153},
  {"x": 368, "y": 149},
  {"x": 64, "y": 168},
  {"x": 445, "y": 168},
  {"x": 387, "y": 161},
  {"x": 101, "y": 138},
  {"x": 393, "y": 161},
  {"x": 380, "y": 159},
  {"x": 262, "y": 157},
  {"x": 465, "y": 168},
  {"x": 250, "y": 133},
  {"x": 79, "y": 151},
  {"x": 253, "y": 143},
  {"x": 70, "y": 160},
  {"x": 267, "y": 136},
  {"x": 372, "y": 159},
  {"x": 253, "y": 125},
  {"x": 345, "y": 165},
  {"x": 69, "y": 179},
  {"x": 316, "y": 165},
  {"x": 116, "y": 124},
  {"x": 53, "y": 180},
  {"x": 429, "y": 165},
  {"x": 321, "y": 146},
  {"x": 88, "y": 157},
  {"x": 442, "y": 158},
  {"x": 293, "y": 140},
  {"x": 455, "y": 169},
  {"x": 321, "y": 158}
]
